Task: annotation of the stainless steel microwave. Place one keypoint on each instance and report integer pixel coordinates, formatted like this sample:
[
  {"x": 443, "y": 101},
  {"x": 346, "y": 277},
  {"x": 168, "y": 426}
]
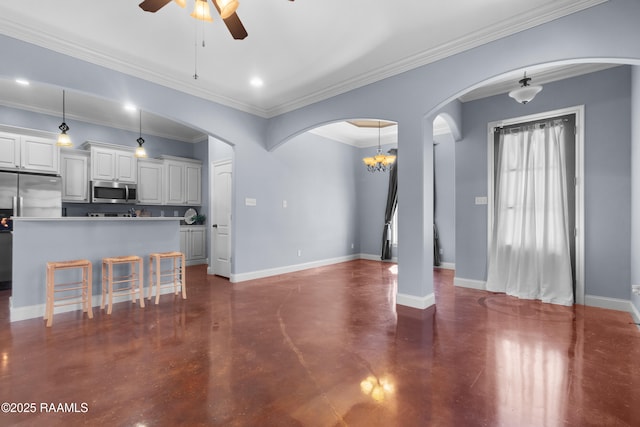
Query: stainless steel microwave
[{"x": 113, "y": 192}]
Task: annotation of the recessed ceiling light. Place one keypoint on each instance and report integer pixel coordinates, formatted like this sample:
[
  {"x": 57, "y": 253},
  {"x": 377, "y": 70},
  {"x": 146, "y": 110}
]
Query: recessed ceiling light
[
  {"x": 130, "y": 107},
  {"x": 256, "y": 82},
  {"x": 22, "y": 82}
]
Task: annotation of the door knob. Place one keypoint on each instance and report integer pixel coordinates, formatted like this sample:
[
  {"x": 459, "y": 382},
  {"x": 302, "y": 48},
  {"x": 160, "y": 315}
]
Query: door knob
[{"x": 215, "y": 225}]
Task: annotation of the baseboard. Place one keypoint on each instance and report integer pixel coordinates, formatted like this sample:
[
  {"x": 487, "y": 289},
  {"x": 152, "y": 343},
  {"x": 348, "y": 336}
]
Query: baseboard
[
  {"x": 446, "y": 266},
  {"x": 470, "y": 283},
  {"x": 259, "y": 274},
  {"x": 34, "y": 311},
  {"x": 416, "y": 302},
  {"x": 609, "y": 303},
  {"x": 636, "y": 315},
  {"x": 372, "y": 257}
]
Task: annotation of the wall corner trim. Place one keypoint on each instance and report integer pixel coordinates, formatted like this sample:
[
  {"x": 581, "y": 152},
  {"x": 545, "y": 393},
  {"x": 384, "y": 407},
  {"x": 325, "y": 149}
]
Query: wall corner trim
[{"x": 470, "y": 283}]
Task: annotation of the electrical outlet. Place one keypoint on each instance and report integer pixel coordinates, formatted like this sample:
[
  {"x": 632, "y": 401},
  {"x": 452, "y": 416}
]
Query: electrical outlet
[
  {"x": 299, "y": 252},
  {"x": 441, "y": 251},
  {"x": 635, "y": 289}
]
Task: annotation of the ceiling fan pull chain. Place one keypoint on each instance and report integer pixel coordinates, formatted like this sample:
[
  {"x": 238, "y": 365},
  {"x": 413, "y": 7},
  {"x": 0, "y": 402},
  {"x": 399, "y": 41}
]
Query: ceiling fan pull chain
[{"x": 195, "y": 45}]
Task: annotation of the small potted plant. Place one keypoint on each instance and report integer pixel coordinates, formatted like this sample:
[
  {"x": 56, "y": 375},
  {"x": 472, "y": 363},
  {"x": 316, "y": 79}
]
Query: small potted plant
[{"x": 198, "y": 219}]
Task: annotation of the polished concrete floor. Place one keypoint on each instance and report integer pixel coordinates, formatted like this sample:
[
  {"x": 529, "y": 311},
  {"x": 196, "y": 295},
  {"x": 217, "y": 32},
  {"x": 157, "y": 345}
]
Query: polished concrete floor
[{"x": 323, "y": 347}]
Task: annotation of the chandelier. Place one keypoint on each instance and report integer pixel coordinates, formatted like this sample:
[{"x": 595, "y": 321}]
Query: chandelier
[{"x": 380, "y": 162}]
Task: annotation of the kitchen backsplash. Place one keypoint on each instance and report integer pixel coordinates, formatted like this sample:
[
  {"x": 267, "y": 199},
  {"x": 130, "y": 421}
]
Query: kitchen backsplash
[{"x": 82, "y": 209}]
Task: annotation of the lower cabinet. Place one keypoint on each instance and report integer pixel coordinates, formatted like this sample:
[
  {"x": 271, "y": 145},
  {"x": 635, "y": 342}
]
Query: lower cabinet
[{"x": 193, "y": 243}]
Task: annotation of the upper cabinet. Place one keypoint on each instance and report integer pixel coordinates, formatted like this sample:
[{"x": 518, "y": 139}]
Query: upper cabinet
[
  {"x": 111, "y": 162},
  {"x": 182, "y": 181},
  {"x": 150, "y": 183},
  {"x": 28, "y": 153},
  {"x": 74, "y": 169}
]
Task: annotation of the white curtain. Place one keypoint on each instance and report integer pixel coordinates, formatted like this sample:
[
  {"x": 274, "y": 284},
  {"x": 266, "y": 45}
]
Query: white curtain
[{"x": 530, "y": 254}]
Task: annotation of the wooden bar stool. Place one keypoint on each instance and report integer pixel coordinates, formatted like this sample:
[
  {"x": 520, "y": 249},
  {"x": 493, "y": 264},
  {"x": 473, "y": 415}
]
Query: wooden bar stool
[
  {"x": 171, "y": 277},
  {"x": 68, "y": 292},
  {"x": 132, "y": 282}
]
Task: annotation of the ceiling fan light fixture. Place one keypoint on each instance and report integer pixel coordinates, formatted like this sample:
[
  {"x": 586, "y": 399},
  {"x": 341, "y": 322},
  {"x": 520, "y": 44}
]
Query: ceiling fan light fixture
[
  {"x": 201, "y": 11},
  {"x": 525, "y": 93},
  {"x": 227, "y": 7}
]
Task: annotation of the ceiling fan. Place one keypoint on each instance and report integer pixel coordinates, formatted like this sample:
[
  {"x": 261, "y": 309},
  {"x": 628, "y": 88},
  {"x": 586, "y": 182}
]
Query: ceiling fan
[{"x": 226, "y": 9}]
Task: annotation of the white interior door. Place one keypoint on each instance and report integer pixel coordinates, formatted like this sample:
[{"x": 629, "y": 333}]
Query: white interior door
[{"x": 221, "y": 221}]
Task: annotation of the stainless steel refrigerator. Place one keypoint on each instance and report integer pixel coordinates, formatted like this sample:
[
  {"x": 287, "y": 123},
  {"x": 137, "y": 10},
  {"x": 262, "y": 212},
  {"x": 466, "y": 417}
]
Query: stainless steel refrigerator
[{"x": 28, "y": 195}]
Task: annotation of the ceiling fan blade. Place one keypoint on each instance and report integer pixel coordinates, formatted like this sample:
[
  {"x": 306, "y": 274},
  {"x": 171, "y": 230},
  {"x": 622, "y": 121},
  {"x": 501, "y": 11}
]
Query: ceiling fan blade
[
  {"x": 235, "y": 27},
  {"x": 233, "y": 23},
  {"x": 153, "y": 5}
]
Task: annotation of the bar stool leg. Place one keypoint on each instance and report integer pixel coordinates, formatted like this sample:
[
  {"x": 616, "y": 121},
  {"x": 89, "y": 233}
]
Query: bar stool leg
[
  {"x": 89, "y": 290},
  {"x": 183, "y": 278},
  {"x": 110, "y": 289},
  {"x": 175, "y": 276},
  {"x": 158, "y": 277},
  {"x": 104, "y": 287},
  {"x": 140, "y": 283},
  {"x": 48, "y": 314},
  {"x": 150, "y": 277}
]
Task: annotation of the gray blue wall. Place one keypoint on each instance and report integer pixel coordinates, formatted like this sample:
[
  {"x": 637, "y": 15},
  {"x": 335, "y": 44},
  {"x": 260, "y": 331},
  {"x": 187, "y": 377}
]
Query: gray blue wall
[
  {"x": 445, "y": 203},
  {"x": 635, "y": 185},
  {"x": 606, "y": 96},
  {"x": 317, "y": 179}
]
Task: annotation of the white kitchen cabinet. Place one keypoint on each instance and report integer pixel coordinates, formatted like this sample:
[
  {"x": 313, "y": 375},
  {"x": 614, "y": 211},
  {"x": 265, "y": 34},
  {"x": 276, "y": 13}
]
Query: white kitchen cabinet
[
  {"x": 150, "y": 182},
  {"x": 193, "y": 243},
  {"x": 29, "y": 153},
  {"x": 175, "y": 183},
  {"x": 182, "y": 181},
  {"x": 193, "y": 176},
  {"x": 74, "y": 169},
  {"x": 9, "y": 151},
  {"x": 110, "y": 162}
]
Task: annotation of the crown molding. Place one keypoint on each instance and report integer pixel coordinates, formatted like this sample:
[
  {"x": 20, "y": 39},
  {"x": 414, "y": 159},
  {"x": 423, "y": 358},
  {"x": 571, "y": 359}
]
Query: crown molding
[{"x": 55, "y": 42}]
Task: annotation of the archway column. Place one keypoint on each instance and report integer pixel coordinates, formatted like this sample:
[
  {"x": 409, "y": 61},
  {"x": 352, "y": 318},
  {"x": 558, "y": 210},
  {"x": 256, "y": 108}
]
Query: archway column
[{"x": 415, "y": 213}]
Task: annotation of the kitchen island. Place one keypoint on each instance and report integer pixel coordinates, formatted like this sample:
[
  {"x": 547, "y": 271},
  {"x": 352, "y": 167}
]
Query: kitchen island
[{"x": 37, "y": 241}]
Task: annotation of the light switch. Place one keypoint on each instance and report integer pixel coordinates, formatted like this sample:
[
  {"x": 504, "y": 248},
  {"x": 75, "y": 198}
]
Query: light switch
[
  {"x": 284, "y": 203},
  {"x": 481, "y": 200},
  {"x": 250, "y": 202}
]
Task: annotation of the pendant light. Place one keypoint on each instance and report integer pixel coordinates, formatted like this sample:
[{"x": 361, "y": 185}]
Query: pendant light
[
  {"x": 181, "y": 3},
  {"x": 525, "y": 93},
  {"x": 380, "y": 162},
  {"x": 63, "y": 138},
  {"x": 140, "y": 151}
]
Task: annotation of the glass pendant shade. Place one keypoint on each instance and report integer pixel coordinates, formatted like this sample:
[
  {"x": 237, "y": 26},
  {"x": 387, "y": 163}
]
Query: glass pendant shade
[
  {"x": 140, "y": 152},
  {"x": 181, "y": 3},
  {"x": 525, "y": 93},
  {"x": 227, "y": 7},
  {"x": 63, "y": 138},
  {"x": 201, "y": 11}
]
